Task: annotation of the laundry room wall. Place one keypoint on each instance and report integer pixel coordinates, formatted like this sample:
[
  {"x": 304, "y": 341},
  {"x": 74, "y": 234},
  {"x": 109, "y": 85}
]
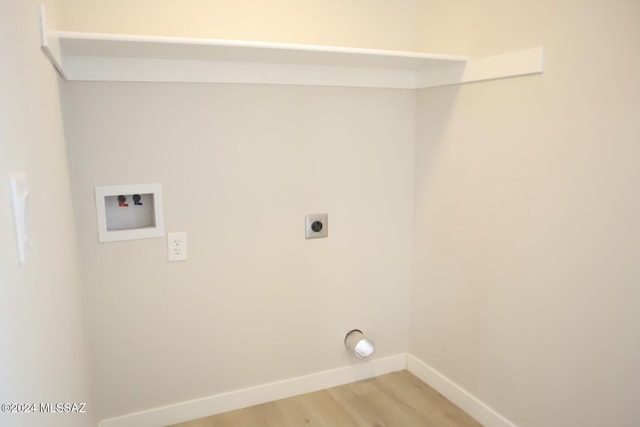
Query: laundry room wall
[
  {"x": 240, "y": 167},
  {"x": 44, "y": 351},
  {"x": 375, "y": 24},
  {"x": 525, "y": 278}
]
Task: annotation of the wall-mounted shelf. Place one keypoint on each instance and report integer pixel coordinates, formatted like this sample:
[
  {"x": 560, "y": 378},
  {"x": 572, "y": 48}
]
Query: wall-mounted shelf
[{"x": 110, "y": 57}]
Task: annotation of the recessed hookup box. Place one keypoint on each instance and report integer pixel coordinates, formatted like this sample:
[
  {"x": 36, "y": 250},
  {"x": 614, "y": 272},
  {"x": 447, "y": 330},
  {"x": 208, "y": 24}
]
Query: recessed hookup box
[{"x": 129, "y": 212}]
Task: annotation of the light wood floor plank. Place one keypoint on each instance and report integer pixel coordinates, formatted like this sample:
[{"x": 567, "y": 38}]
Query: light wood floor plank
[
  {"x": 394, "y": 400},
  {"x": 253, "y": 416}
]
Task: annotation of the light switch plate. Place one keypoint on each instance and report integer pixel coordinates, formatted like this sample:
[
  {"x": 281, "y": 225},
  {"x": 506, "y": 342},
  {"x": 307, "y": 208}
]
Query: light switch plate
[
  {"x": 21, "y": 215},
  {"x": 316, "y": 226}
]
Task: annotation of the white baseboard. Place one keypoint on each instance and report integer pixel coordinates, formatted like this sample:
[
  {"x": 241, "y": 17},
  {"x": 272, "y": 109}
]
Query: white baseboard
[
  {"x": 199, "y": 408},
  {"x": 211, "y": 405},
  {"x": 456, "y": 394}
]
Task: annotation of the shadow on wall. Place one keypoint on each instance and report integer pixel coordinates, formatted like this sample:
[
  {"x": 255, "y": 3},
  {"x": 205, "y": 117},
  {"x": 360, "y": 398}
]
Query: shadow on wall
[{"x": 432, "y": 122}]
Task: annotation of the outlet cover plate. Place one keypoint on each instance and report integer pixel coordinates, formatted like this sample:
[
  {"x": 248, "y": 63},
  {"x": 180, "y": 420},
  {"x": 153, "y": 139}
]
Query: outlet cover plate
[
  {"x": 177, "y": 246},
  {"x": 311, "y": 225}
]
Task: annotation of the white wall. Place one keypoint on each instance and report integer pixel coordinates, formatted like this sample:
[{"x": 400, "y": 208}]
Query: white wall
[
  {"x": 43, "y": 352},
  {"x": 378, "y": 24},
  {"x": 527, "y": 243},
  {"x": 241, "y": 165}
]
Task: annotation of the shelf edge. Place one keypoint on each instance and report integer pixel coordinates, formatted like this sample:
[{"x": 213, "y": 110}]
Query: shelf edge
[
  {"x": 186, "y": 71},
  {"x": 50, "y": 44},
  {"x": 513, "y": 64},
  {"x": 293, "y": 47}
]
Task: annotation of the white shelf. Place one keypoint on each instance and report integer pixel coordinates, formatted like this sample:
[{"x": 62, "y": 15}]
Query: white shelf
[{"x": 111, "y": 57}]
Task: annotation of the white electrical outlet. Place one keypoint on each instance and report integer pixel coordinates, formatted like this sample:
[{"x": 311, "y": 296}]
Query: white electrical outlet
[{"x": 177, "y": 246}]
